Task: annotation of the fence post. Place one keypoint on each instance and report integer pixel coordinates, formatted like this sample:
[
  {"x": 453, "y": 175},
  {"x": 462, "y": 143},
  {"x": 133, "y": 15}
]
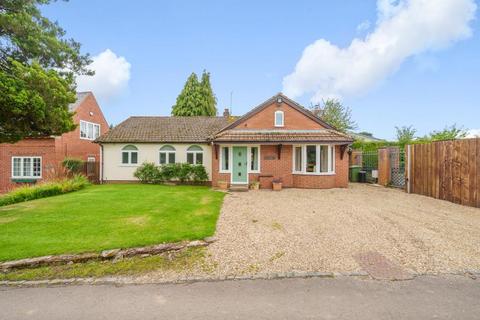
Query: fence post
[
  {"x": 408, "y": 169},
  {"x": 384, "y": 167}
]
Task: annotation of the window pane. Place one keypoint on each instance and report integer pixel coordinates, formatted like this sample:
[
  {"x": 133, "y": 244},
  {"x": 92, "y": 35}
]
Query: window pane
[
  {"x": 171, "y": 157},
  {"x": 279, "y": 118},
  {"x": 311, "y": 158},
  {"x": 90, "y": 131},
  {"x": 332, "y": 158},
  {"x": 97, "y": 131},
  {"x": 225, "y": 160},
  {"x": 17, "y": 164},
  {"x": 129, "y": 147},
  {"x": 27, "y": 167},
  {"x": 199, "y": 158},
  {"x": 83, "y": 129},
  {"x": 134, "y": 157},
  {"x": 167, "y": 148},
  {"x": 190, "y": 157},
  {"x": 37, "y": 167},
  {"x": 254, "y": 159},
  {"x": 323, "y": 158},
  {"x": 125, "y": 157},
  {"x": 298, "y": 159},
  {"x": 195, "y": 148},
  {"x": 163, "y": 158}
]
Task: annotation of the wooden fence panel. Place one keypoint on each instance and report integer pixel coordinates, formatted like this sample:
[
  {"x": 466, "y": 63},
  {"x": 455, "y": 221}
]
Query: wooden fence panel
[{"x": 448, "y": 170}]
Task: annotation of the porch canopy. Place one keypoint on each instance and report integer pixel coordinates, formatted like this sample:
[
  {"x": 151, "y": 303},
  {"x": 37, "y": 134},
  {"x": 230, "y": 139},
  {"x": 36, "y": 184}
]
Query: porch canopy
[{"x": 327, "y": 136}]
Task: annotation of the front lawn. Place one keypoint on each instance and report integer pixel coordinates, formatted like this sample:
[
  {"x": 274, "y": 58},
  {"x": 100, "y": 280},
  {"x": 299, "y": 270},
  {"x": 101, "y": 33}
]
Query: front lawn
[{"x": 106, "y": 217}]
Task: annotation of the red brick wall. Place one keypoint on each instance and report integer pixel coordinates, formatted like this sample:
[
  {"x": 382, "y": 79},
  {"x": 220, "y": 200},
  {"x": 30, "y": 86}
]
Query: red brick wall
[
  {"x": 271, "y": 167},
  {"x": 70, "y": 144},
  {"x": 44, "y": 148},
  {"x": 293, "y": 119}
]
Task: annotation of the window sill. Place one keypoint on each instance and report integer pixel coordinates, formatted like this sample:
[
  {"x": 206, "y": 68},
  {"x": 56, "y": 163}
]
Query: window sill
[
  {"x": 129, "y": 165},
  {"x": 87, "y": 139},
  {"x": 222, "y": 171},
  {"x": 314, "y": 173}
]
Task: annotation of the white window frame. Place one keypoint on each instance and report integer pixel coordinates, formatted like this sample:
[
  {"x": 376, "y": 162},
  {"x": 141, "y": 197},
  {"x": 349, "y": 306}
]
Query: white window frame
[
  {"x": 249, "y": 159},
  {"x": 129, "y": 164},
  {"x": 220, "y": 159},
  {"x": 330, "y": 165},
  {"x": 87, "y": 129},
  {"x": 275, "y": 119},
  {"x": 195, "y": 152},
  {"x": 167, "y": 153},
  {"x": 21, "y": 176}
]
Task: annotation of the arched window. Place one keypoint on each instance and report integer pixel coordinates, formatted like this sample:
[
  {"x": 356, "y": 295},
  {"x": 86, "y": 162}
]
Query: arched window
[
  {"x": 195, "y": 155},
  {"x": 167, "y": 154},
  {"x": 279, "y": 119},
  {"x": 129, "y": 154}
]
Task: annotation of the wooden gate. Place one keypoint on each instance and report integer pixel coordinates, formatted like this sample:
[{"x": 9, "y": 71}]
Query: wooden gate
[{"x": 447, "y": 170}]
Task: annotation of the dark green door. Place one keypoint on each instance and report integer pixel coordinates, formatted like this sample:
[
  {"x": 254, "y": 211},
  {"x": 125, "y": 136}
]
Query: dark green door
[{"x": 239, "y": 165}]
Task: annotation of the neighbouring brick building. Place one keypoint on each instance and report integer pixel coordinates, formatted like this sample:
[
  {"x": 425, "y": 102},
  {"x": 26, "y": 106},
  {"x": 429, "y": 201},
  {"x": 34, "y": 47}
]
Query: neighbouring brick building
[
  {"x": 279, "y": 139},
  {"x": 35, "y": 159}
]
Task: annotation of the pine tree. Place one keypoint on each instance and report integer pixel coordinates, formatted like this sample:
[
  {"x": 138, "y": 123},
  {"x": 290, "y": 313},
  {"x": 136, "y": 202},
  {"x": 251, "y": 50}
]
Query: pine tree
[
  {"x": 209, "y": 99},
  {"x": 197, "y": 98}
]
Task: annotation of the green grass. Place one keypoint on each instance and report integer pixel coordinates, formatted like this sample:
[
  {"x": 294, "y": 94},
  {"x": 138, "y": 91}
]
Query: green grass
[
  {"x": 180, "y": 261},
  {"x": 106, "y": 217}
]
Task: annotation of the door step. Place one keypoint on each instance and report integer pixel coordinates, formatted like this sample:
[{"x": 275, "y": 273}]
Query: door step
[{"x": 238, "y": 187}]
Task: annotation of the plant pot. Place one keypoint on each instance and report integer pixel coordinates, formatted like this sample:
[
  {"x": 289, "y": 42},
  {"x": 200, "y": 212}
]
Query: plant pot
[
  {"x": 223, "y": 185},
  {"x": 255, "y": 186},
  {"x": 277, "y": 186}
]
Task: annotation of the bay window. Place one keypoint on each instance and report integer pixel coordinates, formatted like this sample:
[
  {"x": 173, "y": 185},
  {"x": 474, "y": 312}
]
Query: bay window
[
  {"x": 314, "y": 159},
  {"x": 27, "y": 167}
]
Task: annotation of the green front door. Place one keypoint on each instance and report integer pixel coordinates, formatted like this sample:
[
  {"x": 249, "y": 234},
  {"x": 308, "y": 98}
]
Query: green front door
[{"x": 239, "y": 173}]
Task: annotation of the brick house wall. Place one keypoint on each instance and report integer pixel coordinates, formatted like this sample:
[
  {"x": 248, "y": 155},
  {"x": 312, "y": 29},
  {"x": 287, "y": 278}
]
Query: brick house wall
[
  {"x": 54, "y": 149},
  {"x": 293, "y": 119},
  {"x": 44, "y": 148},
  {"x": 70, "y": 144},
  {"x": 271, "y": 167}
]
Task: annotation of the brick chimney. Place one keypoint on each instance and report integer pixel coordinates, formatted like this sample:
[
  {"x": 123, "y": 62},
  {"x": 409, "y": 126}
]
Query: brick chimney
[{"x": 226, "y": 113}]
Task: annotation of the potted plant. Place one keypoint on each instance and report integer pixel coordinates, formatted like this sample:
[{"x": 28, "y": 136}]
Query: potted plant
[
  {"x": 277, "y": 184},
  {"x": 255, "y": 185},
  {"x": 222, "y": 184}
]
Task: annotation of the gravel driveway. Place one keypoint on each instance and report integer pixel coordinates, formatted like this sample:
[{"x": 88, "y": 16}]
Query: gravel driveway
[{"x": 321, "y": 230}]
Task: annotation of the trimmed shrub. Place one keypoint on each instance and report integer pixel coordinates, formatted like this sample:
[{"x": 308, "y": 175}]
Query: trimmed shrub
[
  {"x": 182, "y": 172},
  {"x": 148, "y": 173},
  {"x": 73, "y": 165},
  {"x": 44, "y": 190}
]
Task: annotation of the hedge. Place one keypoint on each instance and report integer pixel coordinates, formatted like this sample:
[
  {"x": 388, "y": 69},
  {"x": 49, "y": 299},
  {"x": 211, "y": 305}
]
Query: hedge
[{"x": 183, "y": 172}]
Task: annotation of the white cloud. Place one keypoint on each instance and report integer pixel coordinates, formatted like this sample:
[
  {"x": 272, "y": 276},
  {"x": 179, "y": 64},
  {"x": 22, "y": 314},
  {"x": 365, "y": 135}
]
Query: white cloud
[
  {"x": 404, "y": 28},
  {"x": 473, "y": 133},
  {"x": 112, "y": 74},
  {"x": 364, "y": 26}
]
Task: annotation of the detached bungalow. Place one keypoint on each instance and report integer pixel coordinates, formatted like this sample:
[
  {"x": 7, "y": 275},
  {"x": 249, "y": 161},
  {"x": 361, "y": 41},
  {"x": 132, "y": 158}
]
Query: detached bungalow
[{"x": 279, "y": 139}]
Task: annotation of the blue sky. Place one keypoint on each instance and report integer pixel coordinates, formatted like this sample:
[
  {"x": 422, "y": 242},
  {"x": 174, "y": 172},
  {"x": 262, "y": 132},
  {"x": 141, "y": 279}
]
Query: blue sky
[{"x": 249, "y": 47}]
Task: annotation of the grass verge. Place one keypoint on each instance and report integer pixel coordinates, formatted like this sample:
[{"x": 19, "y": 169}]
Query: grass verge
[{"x": 183, "y": 260}]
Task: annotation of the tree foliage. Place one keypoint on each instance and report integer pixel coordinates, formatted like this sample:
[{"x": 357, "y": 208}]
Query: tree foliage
[
  {"x": 336, "y": 114},
  {"x": 197, "y": 98},
  {"x": 37, "y": 70},
  {"x": 405, "y": 134},
  {"x": 448, "y": 133}
]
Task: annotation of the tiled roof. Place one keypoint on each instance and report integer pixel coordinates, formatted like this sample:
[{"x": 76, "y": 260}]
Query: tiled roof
[
  {"x": 80, "y": 97},
  {"x": 165, "y": 129},
  {"x": 322, "y": 135}
]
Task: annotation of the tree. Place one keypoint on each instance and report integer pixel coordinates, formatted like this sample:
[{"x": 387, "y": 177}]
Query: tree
[
  {"x": 37, "y": 70},
  {"x": 197, "y": 98},
  {"x": 336, "y": 114},
  {"x": 210, "y": 101},
  {"x": 405, "y": 135},
  {"x": 448, "y": 133}
]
